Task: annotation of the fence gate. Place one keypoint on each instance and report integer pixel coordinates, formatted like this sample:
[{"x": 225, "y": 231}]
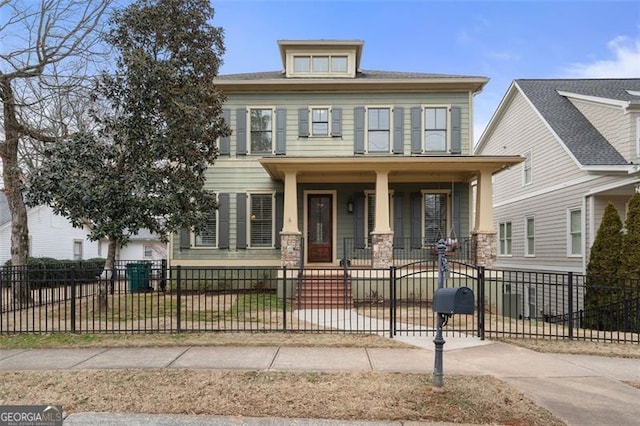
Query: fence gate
[{"x": 412, "y": 289}]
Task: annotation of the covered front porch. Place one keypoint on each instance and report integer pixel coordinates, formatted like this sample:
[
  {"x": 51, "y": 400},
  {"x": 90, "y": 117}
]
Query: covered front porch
[{"x": 335, "y": 206}]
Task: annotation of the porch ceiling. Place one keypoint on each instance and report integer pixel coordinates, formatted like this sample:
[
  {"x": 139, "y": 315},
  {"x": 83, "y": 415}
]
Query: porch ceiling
[{"x": 401, "y": 169}]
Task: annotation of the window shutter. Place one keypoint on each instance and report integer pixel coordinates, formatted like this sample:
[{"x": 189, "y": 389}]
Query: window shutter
[
  {"x": 358, "y": 221},
  {"x": 398, "y": 130},
  {"x": 416, "y": 130},
  {"x": 281, "y": 131},
  {"x": 303, "y": 122},
  {"x": 185, "y": 239},
  {"x": 336, "y": 122},
  {"x": 225, "y": 142},
  {"x": 398, "y": 234},
  {"x": 416, "y": 220},
  {"x": 456, "y": 137},
  {"x": 241, "y": 221},
  {"x": 241, "y": 131},
  {"x": 223, "y": 221},
  {"x": 279, "y": 218},
  {"x": 358, "y": 130}
]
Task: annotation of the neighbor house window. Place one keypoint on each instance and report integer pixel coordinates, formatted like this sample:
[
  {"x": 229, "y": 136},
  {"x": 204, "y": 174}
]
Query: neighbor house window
[
  {"x": 261, "y": 126},
  {"x": 77, "y": 250},
  {"x": 527, "y": 175},
  {"x": 575, "y": 232},
  {"x": 320, "y": 121},
  {"x": 208, "y": 235},
  {"x": 530, "y": 237},
  {"x": 378, "y": 130},
  {"x": 532, "y": 302},
  {"x": 504, "y": 231},
  {"x": 147, "y": 252},
  {"x": 435, "y": 213},
  {"x": 261, "y": 223},
  {"x": 435, "y": 128}
]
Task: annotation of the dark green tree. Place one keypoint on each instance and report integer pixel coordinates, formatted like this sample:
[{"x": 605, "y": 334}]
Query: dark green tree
[
  {"x": 159, "y": 119},
  {"x": 630, "y": 263},
  {"x": 602, "y": 269}
]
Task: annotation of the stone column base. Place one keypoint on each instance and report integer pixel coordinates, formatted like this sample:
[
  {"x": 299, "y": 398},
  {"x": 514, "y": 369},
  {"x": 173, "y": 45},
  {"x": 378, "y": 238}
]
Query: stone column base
[
  {"x": 484, "y": 248},
  {"x": 382, "y": 249},
  {"x": 290, "y": 249}
]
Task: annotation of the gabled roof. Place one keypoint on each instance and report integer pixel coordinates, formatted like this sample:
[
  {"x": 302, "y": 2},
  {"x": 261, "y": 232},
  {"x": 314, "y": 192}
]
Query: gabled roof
[
  {"x": 5, "y": 215},
  {"x": 585, "y": 143}
]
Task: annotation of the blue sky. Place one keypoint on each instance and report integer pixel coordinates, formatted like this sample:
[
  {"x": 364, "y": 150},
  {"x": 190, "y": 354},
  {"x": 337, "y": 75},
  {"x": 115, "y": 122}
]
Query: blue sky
[{"x": 501, "y": 40}]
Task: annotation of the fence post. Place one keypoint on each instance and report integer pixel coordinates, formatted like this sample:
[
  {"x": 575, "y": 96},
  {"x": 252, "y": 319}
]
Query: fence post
[
  {"x": 284, "y": 298},
  {"x": 392, "y": 301},
  {"x": 481, "y": 302},
  {"x": 178, "y": 297},
  {"x": 73, "y": 300},
  {"x": 570, "y": 302}
]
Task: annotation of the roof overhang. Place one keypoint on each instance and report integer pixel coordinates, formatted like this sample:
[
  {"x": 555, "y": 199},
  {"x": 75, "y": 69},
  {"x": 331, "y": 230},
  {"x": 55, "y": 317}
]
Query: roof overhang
[{"x": 400, "y": 169}]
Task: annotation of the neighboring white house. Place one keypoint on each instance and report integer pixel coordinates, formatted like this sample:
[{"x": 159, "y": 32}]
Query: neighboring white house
[
  {"x": 51, "y": 235},
  {"x": 581, "y": 144}
]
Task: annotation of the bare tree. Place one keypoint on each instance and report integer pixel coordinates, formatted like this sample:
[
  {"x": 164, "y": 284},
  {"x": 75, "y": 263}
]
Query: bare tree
[{"x": 48, "y": 50}]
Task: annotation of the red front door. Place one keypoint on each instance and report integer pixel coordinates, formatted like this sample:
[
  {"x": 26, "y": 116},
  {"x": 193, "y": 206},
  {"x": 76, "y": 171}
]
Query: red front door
[{"x": 320, "y": 232}]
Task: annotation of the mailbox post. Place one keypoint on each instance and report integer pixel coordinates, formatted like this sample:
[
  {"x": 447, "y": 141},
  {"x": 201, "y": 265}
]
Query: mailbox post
[{"x": 439, "y": 340}]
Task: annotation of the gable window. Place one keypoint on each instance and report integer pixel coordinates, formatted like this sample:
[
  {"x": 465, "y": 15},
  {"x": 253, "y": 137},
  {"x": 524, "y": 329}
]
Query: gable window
[
  {"x": 261, "y": 223},
  {"x": 378, "y": 130},
  {"x": 302, "y": 64},
  {"x": 208, "y": 235},
  {"x": 527, "y": 175},
  {"x": 339, "y": 64},
  {"x": 320, "y": 121},
  {"x": 435, "y": 129},
  {"x": 321, "y": 65},
  {"x": 575, "y": 232},
  {"x": 77, "y": 250},
  {"x": 261, "y": 125},
  {"x": 504, "y": 231},
  {"x": 435, "y": 210},
  {"x": 530, "y": 237}
]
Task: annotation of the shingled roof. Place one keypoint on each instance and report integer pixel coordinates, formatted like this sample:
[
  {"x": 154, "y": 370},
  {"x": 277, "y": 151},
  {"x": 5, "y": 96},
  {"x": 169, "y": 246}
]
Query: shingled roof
[
  {"x": 584, "y": 141},
  {"x": 363, "y": 74}
]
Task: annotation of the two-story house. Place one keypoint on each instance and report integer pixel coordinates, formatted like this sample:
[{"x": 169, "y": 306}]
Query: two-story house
[
  {"x": 581, "y": 144},
  {"x": 326, "y": 160}
]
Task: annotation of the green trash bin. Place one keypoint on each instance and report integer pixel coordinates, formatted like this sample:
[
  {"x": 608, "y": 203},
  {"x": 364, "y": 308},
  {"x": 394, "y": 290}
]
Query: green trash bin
[{"x": 138, "y": 276}]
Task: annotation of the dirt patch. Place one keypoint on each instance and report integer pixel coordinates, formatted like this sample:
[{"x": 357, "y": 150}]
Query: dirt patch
[
  {"x": 579, "y": 347},
  {"x": 348, "y": 396}
]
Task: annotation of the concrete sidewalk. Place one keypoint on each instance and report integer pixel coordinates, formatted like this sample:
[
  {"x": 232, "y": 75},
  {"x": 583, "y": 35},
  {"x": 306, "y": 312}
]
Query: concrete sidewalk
[{"x": 580, "y": 390}]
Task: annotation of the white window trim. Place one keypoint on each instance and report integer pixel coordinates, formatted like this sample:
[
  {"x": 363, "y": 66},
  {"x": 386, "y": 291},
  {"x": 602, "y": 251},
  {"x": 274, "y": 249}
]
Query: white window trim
[
  {"x": 526, "y": 236},
  {"x": 367, "y": 193},
  {"x": 449, "y": 210},
  {"x": 500, "y": 253},
  {"x": 329, "y": 118},
  {"x": 273, "y": 218},
  {"x": 569, "y": 234},
  {"x": 524, "y": 173},
  {"x": 273, "y": 128},
  {"x": 423, "y": 127},
  {"x": 293, "y": 53},
  {"x": 366, "y": 129}
]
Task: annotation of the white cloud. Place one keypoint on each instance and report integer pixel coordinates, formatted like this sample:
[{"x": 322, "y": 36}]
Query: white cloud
[{"x": 625, "y": 62}]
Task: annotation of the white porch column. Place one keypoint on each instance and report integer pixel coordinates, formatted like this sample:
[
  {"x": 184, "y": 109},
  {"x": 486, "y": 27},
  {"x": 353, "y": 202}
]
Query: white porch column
[
  {"x": 382, "y": 224},
  {"x": 382, "y": 236},
  {"x": 290, "y": 220},
  {"x": 484, "y": 241},
  {"x": 290, "y": 236}
]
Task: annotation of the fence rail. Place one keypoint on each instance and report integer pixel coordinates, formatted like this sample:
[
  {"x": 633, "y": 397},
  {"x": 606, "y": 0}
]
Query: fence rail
[{"x": 140, "y": 297}]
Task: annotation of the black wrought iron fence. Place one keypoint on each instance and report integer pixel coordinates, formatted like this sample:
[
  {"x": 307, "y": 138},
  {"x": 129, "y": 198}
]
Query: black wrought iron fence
[{"x": 140, "y": 297}]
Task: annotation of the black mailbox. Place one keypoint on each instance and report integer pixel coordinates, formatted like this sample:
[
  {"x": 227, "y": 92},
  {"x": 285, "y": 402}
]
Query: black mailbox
[{"x": 450, "y": 301}]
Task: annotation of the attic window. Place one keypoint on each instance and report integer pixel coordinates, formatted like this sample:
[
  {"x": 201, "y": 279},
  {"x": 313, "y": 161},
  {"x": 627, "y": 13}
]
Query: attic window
[{"x": 320, "y": 65}]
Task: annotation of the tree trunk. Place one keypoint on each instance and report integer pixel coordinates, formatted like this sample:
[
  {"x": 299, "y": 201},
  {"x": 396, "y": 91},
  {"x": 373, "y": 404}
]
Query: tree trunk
[
  {"x": 12, "y": 176},
  {"x": 109, "y": 278}
]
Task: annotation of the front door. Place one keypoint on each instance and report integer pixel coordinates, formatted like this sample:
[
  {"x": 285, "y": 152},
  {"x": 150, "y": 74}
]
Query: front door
[{"x": 319, "y": 222}]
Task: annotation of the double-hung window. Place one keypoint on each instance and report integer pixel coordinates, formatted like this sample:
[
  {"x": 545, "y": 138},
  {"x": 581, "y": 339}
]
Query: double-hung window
[
  {"x": 261, "y": 223},
  {"x": 208, "y": 235},
  {"x": 378, "y": 130},
  {"x": 530, "y": 237},
  {"x": 575, "y": 232},
  {"x": 435, "y": 128},
  {"x": 504, "y": 230},
  {"x": 435, "y": 216},
  {"x": 77, "y": 250},
  {"x": 320, "y": 120},
  {"x": 261, "y": 127}
]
